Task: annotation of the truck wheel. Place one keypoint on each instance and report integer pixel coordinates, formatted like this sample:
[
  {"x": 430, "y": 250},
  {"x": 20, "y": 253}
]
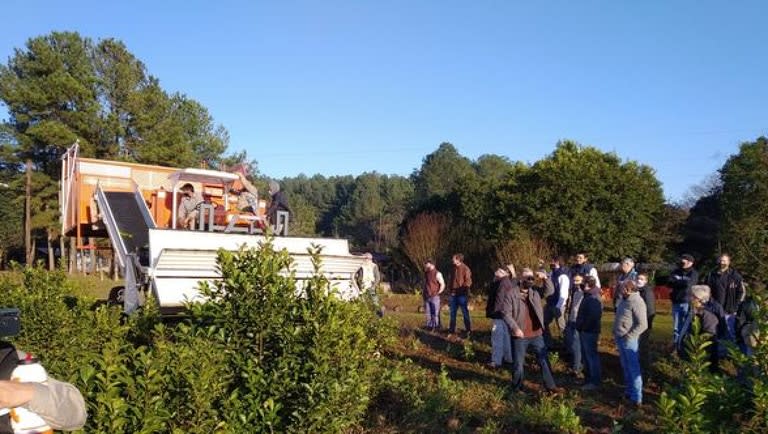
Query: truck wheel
[{"x": 116, "y": 295}]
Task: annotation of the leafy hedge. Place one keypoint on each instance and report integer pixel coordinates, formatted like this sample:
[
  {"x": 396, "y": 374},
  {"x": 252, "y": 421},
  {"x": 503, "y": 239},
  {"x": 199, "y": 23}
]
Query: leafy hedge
[
  {"x": 256, "y": 358},
  {"x": 734, "y": 400}
]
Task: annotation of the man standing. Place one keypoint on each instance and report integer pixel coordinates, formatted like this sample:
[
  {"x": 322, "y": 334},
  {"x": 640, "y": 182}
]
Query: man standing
[
  {"x": 278, "y": 203},
  {"x": 646, "y": 293},
  {"x": 522, "y": 313},
  {"x": 681, "y": 280},
  {"x": 556, "y": 301},
  {"x": 628, "y": 273},
  {"x": 728, "y": 290},
  {"x": 572, "y": 342},
  {"x": 631, "y": 320},
  {"x": 584, "y": 268},
  {"x": 368, "y": 279},
  {"x": 434, "y": 285},
  {"x": 588, "y": 325},
  {"x": 501, "y": 347},
  {"x": 460, "y": 284}
]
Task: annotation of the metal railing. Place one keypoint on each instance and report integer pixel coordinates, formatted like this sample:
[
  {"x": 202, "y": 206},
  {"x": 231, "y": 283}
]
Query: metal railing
[{"x": 68, "y": 169}]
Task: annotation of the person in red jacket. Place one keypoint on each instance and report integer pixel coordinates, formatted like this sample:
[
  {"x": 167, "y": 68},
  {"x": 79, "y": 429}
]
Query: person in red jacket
[{"x": 460, "y": 284}]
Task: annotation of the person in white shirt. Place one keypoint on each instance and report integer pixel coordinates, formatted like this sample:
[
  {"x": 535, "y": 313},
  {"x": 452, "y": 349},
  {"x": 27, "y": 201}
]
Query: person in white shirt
[
  {"x": 434, "y": 285},
  {"x": 555, "y": 303}
]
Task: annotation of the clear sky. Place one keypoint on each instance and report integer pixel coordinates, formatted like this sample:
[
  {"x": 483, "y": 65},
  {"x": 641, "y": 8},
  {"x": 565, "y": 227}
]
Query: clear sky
[{"x": 345, "y": 87}]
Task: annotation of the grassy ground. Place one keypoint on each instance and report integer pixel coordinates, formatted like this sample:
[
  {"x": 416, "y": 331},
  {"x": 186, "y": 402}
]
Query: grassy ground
[
  {"x": 93, "y": 286},
  {"x": 465, "y": 359}
]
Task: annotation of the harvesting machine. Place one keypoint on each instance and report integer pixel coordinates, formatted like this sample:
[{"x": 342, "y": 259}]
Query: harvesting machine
[{"x": 136, "y": 207}]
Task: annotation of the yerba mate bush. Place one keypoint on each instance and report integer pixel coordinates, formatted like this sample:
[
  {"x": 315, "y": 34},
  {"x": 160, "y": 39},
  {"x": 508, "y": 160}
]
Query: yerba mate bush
[
  {"x": 732, "y": 400},
  {"x": 256, "y": 358}
]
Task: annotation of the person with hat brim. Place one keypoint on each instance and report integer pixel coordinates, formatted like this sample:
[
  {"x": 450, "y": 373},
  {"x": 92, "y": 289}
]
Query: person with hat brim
[{"x": 681, "y": 280}]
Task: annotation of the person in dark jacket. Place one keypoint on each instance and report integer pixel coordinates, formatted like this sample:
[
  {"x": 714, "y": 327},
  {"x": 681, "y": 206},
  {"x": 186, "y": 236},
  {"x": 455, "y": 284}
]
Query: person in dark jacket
[
  {"x": 583, "y": 267},
  {"x": 711, "y": 319},
  {"x": 555, "y": 303},
  {"x": 278, "y": 203},
  {"x": 501, "y": 346},
  {"x": 681, "y": 280},
  {"x": 572, "y": 342},
  {"x": 522, "y": 312},
  {"x": 588, "y": 324},
  {"x": 646, "y": 293},
  {"x": 728, "y": 290},
  {"x": 746, "y": 325}
]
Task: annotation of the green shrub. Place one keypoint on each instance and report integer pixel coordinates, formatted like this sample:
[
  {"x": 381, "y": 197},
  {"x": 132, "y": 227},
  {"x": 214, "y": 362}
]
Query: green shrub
[
  {"x": 555, "y": 414},
  {"x": 256, "y": 358}
]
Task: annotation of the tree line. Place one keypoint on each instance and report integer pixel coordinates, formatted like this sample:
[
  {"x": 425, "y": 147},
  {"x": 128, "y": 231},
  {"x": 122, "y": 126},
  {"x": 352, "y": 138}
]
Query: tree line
[{"x": 64, "y": 87}]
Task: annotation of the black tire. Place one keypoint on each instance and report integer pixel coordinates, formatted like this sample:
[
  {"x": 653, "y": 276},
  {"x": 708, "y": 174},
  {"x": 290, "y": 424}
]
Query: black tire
[{"x": 116, "y": 295}]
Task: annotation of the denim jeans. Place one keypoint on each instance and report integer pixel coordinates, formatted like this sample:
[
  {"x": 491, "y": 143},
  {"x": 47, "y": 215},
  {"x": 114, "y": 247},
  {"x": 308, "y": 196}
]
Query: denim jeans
[
  {"x": 520, "y": 348},
  {"x": 630, "y": 366},
  {"x": 679, "y": 312},
  {"x": 573, "y": 345},
  {"x": 455, "y": 302},
  {"x": 501, "y": 346},
  {"x": 591, "y": 357},
  {"x": 730, "y": 321},
  {"x": 432, "y": 311}
]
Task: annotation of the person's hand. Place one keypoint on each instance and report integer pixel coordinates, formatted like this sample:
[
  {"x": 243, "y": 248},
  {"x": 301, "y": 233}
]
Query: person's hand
[
  {"x": 15, "y": 394},
  {"x": 518, "y": 333}
]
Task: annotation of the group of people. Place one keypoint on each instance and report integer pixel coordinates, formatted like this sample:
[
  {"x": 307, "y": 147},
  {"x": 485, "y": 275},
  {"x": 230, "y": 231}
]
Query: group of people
[
  {"x": 247, "y": 202},
  {"x": 725, "y": 311},
  {"x": 524, "y": 306}
]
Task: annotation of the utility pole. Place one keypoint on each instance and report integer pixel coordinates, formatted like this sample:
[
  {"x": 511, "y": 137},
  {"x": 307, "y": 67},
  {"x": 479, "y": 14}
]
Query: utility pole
[{"x": 28, "y": 215}]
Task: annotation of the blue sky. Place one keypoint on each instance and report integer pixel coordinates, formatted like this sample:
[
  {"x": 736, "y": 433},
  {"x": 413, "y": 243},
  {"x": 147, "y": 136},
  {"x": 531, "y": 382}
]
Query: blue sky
[{"x": 347, "y": 87}]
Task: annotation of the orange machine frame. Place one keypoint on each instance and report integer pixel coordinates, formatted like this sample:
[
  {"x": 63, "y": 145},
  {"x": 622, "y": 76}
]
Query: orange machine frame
[{"x": 153, "y": 182}]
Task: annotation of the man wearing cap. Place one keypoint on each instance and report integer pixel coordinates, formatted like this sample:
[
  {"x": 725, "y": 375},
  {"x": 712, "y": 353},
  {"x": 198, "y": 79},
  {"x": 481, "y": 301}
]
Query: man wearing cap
[
  {"x": 727, "y": 289},
  {"x": 681, "y": 280},
  {"x": 711, "y": 319}
]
